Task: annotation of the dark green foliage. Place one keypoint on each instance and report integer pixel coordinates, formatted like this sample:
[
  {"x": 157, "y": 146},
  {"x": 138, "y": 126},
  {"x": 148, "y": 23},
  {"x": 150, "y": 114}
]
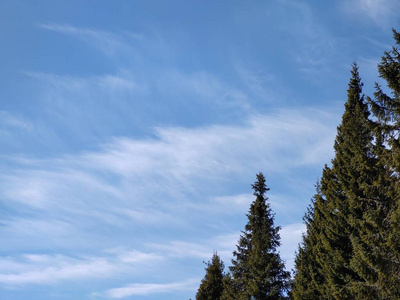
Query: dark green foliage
[
  {"x": 386, "y": 108},
  {"x": 230, "y": 289},
  {"x": 211, "y": 286},
  {"x": 354, "y": 174},
  {"x": 352, "y": 246},
  {"x": 344, "y": 189},
  {"x": 335, "y": 254},
  {"x": 257, "y": 270},
  {"x": 309, "y": 279}
]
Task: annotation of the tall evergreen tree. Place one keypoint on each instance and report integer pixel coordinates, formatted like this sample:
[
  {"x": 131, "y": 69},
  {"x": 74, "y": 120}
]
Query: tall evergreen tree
[
  {"x": 343, "y": 189},
  {"x": 211, "y": 286},
  {"x": 359, "y": 172},
  {"x": 386, "y": 109},
  {"x": 336, "y": 237},
  {"x": 257, "y": 269}
]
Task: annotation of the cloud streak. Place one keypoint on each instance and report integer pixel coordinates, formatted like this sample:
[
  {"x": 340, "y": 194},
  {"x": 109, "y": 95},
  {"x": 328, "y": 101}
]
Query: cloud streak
[
  {"x": 314, "y": 47},
  {"x": 110, "y": 43},
  {"x": 137, "y": 289},
  {"x": 181, "y": 153},
  {"x": 380, "y": 11},
  {"x": 8, "y": 121},
  {"x": 290, "y": 238},
  {"x": 155, "y": 182},
  {"x": 129, "y": 175},
  {"x": 105, "y": 82},
  {"x": 44, "y": 269}
]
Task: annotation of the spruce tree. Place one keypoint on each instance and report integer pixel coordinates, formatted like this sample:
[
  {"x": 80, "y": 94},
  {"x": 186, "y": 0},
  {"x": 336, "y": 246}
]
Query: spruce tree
[
  {"x": 336, "y": 237},
  {"x": 342, "y": 189},
  {"x": 211, "y": 286},
  {"x": 358, "y": 171},
  {"x": 309, "y": 280},
  {"x": 352, "y": 246},
  {"x": 386, "y": 109},
  {"x": 257, "y": 269}
]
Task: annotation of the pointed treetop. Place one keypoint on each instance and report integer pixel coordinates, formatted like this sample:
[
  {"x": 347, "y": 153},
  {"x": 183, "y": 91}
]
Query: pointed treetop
[
  {"x": 211, "y": 286},
  {"x": 355, "y": 84},
  {"x": 259, "y": 186}
]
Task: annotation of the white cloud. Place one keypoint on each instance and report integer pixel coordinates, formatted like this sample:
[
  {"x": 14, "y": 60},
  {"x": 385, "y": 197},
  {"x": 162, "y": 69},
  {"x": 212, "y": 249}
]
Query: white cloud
[
  {"x": 138, "y": 181},
  {"x": 87, "y": 85},
  {"x": 97, "y": 268},
  {"x": 140, "y": 76},
  {"x": 183, "y": 249},
  {"x": 135, "y": 256},
  {"x": 290, "y": 238},
  {"x": 44, "y": 269},
  {"x": 96, "y": 198},
  {"x": 109, "y": 43},
  {"x": 129, "y": 99},
  {"x": 379, "y": 11},
  {"x": 151, "y": 288},
  {"x": 225, "y": 244},
  {"x": 49, "y": 228},
  {"x": 147, "y": 216},
  {"x": 313, "y": 45},
  {"x": 47, "y": 188},
  {"x": 237, "y": 202},
  {"x": 284, "y": 140},
  {"x": 52, "y": 269},
  {"x": 11, "y": 121}
]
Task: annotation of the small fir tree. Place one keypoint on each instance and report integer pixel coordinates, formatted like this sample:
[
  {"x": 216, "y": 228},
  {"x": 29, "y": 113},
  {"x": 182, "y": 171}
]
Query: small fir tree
[
  {"x": 257, "y": 269},
  {"x": 211, "y": 286}
]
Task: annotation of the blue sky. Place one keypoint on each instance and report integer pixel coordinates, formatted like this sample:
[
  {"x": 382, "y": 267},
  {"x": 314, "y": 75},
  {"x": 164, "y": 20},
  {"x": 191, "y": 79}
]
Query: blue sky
[{"x": 131, "y": 132}]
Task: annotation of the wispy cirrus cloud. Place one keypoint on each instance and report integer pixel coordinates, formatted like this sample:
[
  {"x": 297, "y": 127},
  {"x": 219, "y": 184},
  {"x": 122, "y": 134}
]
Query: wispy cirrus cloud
[
  {"x": 240, "y": 202},
  {"x": 379, "y": 11},
  {"x": 176, "y": 162},
  {"x": 9, "y": 121},
  {"x": 314, "y": 45},
  {"x": 43, "y": 186},
  {"x": 147, "y": 216},
  {"x": 45, "y": 269},
  {"x": 108, "y": 42},
  {"x": 181, "y": 153},
  {"x": 128, "y": 100},
  {"x": 224, "y": 244},
  {"x": 291, "y": 235},
  {"x": 53, "y": 274},
  {"x": 80, "y": 84},
  {"x": 75, "y": 201},
  {"x": 133, "y": 52},
  {"x": 137, "y": 289},
  {"x": 127, "y": 87}
]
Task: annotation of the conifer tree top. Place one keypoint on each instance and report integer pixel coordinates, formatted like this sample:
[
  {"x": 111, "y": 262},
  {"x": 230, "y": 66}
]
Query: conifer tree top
[
  {"x": 355, "y": 84},
  {"x": 257, "y": 269},
  {"x": 259, "y": 187}
]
